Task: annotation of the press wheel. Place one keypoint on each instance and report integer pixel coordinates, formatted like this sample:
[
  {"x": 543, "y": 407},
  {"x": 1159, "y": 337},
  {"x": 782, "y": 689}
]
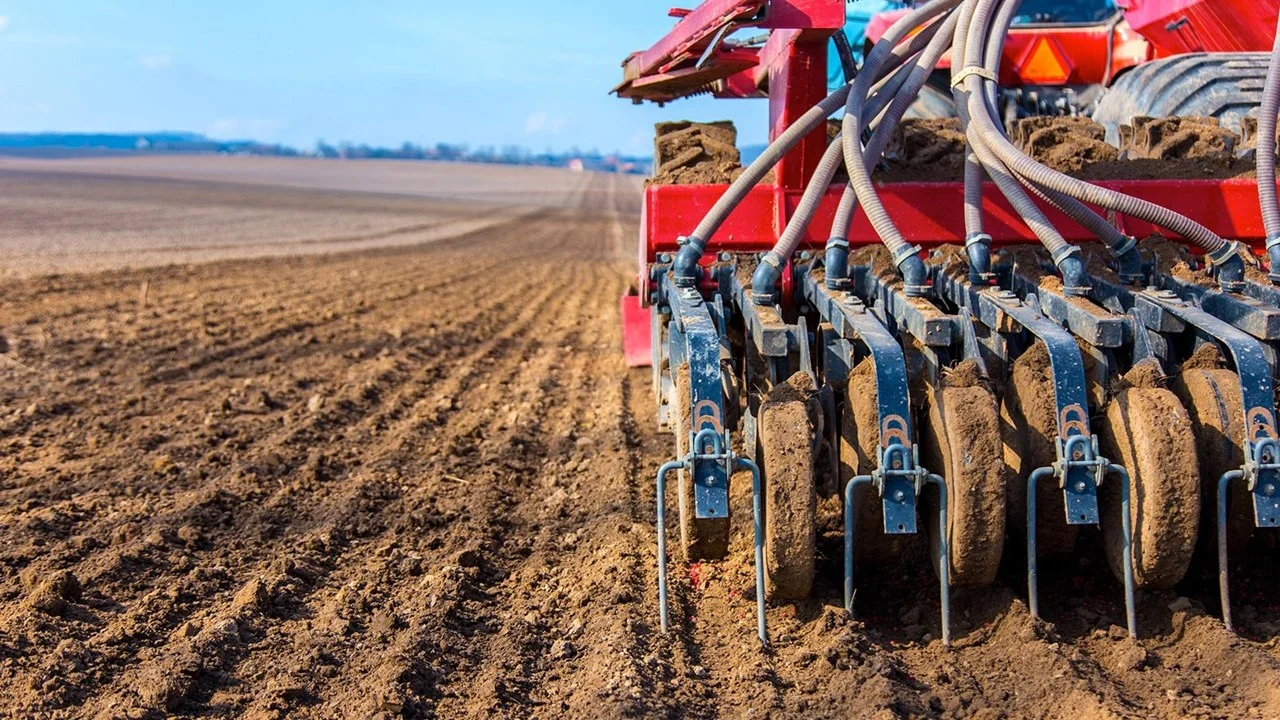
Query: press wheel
[
  {"x": 701, "y": 538},
  {"x": 960, "y": 441},
  {"x": 1028, "y": 429},
  {"x": 1212, "y": 399},
  {"x": 786, "y": 431},
  {"x": 1148, "y": 431}
]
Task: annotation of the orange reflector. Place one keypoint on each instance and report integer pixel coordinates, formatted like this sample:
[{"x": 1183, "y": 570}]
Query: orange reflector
[{"x": 1044, "y": 63}]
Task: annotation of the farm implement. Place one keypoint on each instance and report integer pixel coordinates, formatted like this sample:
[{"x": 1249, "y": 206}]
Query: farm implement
[{"x": 993, "y": 361}]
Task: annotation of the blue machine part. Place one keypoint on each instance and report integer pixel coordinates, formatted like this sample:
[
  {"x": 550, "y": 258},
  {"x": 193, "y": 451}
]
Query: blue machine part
[{"x": 858, "y": 14}]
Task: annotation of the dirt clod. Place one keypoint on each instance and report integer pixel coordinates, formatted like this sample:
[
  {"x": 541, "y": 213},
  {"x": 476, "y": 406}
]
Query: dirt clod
[
  {"x": 54, "y": 592},
  {"x": 693, "y": 153}
]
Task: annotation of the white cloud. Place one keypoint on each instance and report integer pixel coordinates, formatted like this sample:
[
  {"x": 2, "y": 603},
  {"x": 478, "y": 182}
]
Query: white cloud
[
  {"x": 543, "y": 123},
  {"x": 157, "y": 61},
  {"x": 4, "y": 23}
]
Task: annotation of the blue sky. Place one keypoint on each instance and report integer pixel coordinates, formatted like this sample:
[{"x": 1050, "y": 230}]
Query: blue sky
[{"x": 495, "y": 72}]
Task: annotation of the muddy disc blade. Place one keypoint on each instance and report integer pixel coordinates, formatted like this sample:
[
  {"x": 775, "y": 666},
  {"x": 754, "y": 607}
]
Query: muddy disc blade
[
  {"x": 961, "y": 442},
  {"x": 786, "y": 459},
  {"x": 1212, "y": 399},
  {"x": 1148, "y": 431}
]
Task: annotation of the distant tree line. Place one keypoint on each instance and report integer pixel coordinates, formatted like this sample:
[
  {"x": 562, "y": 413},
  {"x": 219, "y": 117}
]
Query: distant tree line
[
  {"x": 506, "y": 155},
  {"x": 66, "y": 144}
]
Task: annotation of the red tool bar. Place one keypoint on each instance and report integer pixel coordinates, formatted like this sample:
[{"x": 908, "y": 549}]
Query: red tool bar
[{"x": 932, "y": 214}]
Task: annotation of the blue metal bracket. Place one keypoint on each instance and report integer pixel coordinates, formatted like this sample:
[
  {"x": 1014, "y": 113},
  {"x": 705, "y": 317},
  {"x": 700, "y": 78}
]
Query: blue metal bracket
[
  {"x": 695, "y": 339},
  {"x": 1079, "y": 485},
  {"x": 850, "y": 319},
  {"x": 1095, "y": 325}
]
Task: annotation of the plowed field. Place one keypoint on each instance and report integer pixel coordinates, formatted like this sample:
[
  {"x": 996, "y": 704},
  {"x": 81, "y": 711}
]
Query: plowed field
[{"x": 416, "y": 481}]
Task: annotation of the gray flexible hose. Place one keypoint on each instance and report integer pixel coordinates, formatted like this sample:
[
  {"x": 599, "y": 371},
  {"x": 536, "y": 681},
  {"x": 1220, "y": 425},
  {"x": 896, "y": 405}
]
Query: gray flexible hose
[
  {"x": 859, "y": 176},
  {"x": 880, "y": 98},
  {"x": 977, "y": 241},
  {"x": 832, "y": 159},
  {"x": 985, "y": 130},
  {"x": 1116, "y": 241},
  {"x": 790, "y": 238},
  {"x": 761, "y": 166},
  {"x": 685, "y": 266},
  {"x": 1266, "y": 154}
]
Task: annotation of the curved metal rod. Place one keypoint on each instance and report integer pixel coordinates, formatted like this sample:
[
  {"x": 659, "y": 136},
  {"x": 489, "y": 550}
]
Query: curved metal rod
[
  {"x": 698, "y": 441},
  {"x": 944, "y": 558},
  {"x": 1126, "y": 525},
  {"x": 1033, "y": 599},
  {"x": 757, "y": 509},
  {"x": 662, "y": 536},
  {"x": 1224, "y": 592},
  {"x": 849, "y": 522},
  {"x": 1033, "y": 586}
]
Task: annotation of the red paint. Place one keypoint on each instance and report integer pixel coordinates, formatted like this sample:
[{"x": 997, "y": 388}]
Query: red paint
[
  {"x": 637, "y": 342},
  {"x": 1182, "y": 26},
  {"x": 930, "y": 214}
]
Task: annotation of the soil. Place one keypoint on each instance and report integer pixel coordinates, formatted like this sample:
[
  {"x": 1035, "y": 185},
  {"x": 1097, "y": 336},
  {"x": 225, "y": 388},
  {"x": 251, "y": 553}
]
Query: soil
[
  {"x": 692, "y": 153},
  {"x": 1066, "y": 144},
  {"x": 418, "y": 482},
  {"x": 933, "y": 150},
  {"x": 1178, "y": 138},
  {"x": 924, "y": 150}
]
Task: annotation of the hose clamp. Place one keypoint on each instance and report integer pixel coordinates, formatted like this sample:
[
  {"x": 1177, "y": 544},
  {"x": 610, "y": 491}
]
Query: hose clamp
[
  {"x": 906, "y": 252},
  {"x": 958, "y": 78},
  {"x": 1273, "y": 241},
  {"x": 1065, "y": 252},
  {"x": 1225, "y": 253},
  {"x": 977, "y": 238},
  {"x": 838, "y": 242},
  {"x": 1130, "y": 242},
  {"x": 772, "y": 259}
]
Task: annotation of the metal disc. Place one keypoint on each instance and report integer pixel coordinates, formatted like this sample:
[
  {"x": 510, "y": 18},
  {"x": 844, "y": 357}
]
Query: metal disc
[
  {"x": 960, "y": 441},
  {"x": 790, "y": 499},
  {"x": 1212, "y": 399},
  {"x": 1148, "y": 431}
]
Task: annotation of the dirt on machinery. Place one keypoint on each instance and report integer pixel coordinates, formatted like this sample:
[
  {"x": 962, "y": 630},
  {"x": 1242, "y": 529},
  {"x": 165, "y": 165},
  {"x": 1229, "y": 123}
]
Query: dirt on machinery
[
  {"x": 693, "y": 153},
  {"x": 418, "y": 482}
]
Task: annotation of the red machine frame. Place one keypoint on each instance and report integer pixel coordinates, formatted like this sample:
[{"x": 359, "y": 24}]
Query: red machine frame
[{"x": 791, "y": 69}]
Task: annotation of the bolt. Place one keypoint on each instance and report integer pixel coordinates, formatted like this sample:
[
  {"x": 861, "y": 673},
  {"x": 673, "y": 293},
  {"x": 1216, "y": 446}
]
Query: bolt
[
  {"x": 1080, "y": 486},
  {"x": 1269, "y": 489},
  {"x": 664, "y": 257},
  {"x": 805, "y": 255},
  {"x": 726, "y": 256},
  {"x": 899, "y": 496},
  {"x": 1077, "y": 454}
]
